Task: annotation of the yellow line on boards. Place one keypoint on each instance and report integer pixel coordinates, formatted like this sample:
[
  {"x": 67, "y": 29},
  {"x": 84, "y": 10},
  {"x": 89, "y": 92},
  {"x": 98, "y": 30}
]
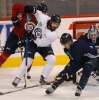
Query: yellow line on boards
[{"x": 38, "y": 61}]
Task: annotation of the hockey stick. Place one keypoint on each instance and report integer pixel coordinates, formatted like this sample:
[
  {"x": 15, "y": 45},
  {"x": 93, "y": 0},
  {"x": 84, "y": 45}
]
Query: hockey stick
[
  {"x": 26, "y": 62},
  {"x": 29, "y": 26},
  {"x": 17, "y": 51},
  {"x": 26, "y": 50},
  {"x": 21, "y": 89},
  {"x": 26, "y": 66}
]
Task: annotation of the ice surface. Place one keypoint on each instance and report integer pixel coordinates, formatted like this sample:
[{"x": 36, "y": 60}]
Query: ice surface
[{"x": 64, "y": 92}]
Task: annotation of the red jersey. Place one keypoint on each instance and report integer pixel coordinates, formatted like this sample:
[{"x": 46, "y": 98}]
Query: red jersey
[{"x": 20, "y": 30}]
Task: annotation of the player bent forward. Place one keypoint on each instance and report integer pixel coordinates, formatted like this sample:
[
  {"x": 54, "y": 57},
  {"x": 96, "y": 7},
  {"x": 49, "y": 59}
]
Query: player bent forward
[{"x": 76, "y": 51}]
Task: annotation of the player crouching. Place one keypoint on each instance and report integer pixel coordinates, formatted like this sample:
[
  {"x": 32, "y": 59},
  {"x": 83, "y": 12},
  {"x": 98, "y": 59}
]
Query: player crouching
[{"x": 82, "y": 54}]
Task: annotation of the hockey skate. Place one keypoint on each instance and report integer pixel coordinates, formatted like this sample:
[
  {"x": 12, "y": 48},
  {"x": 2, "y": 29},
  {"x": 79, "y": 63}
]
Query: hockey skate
[
  {"x": 50, "y": 90},
  {"x": 43, "y": 81},
  {"x": 78, "y": 91},
  {"x": 16, "y": 82},
  {"x": 28, "y": 76}
]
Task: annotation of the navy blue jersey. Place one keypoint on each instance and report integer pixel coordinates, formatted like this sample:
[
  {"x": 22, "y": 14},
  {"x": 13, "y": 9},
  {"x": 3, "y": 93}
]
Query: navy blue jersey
[
  {"x": 97, "y": 41},
  {"x": 81, "y": 47}
]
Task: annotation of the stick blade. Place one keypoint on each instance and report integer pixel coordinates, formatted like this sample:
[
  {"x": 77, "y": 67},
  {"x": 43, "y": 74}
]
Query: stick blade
[{"x": 1, "y": 93}]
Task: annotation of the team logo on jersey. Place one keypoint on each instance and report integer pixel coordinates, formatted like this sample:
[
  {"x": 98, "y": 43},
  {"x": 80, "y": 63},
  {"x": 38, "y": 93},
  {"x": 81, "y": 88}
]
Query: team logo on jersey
[
  {"x": 29, "y": 26},
  {"x": 40, "y": 24},
  {"x": 38, "y": 33}
]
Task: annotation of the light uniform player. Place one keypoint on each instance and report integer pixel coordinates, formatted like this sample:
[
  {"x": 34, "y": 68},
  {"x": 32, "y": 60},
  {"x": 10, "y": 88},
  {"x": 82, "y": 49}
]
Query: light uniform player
[{"x": 45, "y": 33}]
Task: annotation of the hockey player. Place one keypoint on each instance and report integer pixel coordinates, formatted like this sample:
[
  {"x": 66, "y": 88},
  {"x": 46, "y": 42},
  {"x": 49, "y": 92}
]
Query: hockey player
[
  {"x": 97, "y": 67},
  {"x": 96, "y": 41},
  {"x": 83, "y": 55},
  {"x": 95, "y": 37},
  {"x": 10, "y": 47},
  {"x": 16, "y": 37},
  {"x": 44, "y": 33},
  {"x": 43, "y": 8}
]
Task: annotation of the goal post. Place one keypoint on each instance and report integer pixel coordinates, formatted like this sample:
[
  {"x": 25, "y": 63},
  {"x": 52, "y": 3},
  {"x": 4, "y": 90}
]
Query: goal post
[{"x": 82, "y": 27}]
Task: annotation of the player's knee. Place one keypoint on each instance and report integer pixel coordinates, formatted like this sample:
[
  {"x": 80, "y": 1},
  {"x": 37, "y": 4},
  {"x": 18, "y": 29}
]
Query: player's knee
[
  {"x": 88, "y": 68},
  {"x": 51, "y": 59}
]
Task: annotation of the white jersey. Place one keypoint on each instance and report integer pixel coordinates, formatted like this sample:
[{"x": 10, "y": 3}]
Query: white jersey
[{"x": 44, "y": 37}]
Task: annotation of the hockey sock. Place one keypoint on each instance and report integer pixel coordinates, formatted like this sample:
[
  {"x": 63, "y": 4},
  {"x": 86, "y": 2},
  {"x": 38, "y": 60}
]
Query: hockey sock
[
  {"x": 28, "y": 70},
  {"x": 22, "y": 70},
  {"x": 48, "y": 68}
]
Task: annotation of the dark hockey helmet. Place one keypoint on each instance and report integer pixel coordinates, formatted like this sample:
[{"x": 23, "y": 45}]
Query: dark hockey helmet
[
  {"x": 42, "y": 7},
  {"x": 54, "y": 22},
  {"x": 30, "y": 9},
  {"x": 56, "y": 18},
  {"x": 65, "y": 38}
]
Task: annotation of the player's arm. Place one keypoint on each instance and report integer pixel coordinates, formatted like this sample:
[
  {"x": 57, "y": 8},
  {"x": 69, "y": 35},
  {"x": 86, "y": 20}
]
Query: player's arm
[
  {"x": 15, "y": 21},
  {"x": 92, "y": 50}
]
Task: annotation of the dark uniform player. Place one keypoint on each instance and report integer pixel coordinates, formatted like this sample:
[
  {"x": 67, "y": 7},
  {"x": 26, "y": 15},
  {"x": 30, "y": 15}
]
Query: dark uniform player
[
  {"x": 97, "y": 67},
  {"x": 17, "y": 13},
  {"x": 96, "y": 41},
  {"x": 76, "y": 52},
  {"x": 95, "y": 37},
  {"x": 18, "y": 32}
]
